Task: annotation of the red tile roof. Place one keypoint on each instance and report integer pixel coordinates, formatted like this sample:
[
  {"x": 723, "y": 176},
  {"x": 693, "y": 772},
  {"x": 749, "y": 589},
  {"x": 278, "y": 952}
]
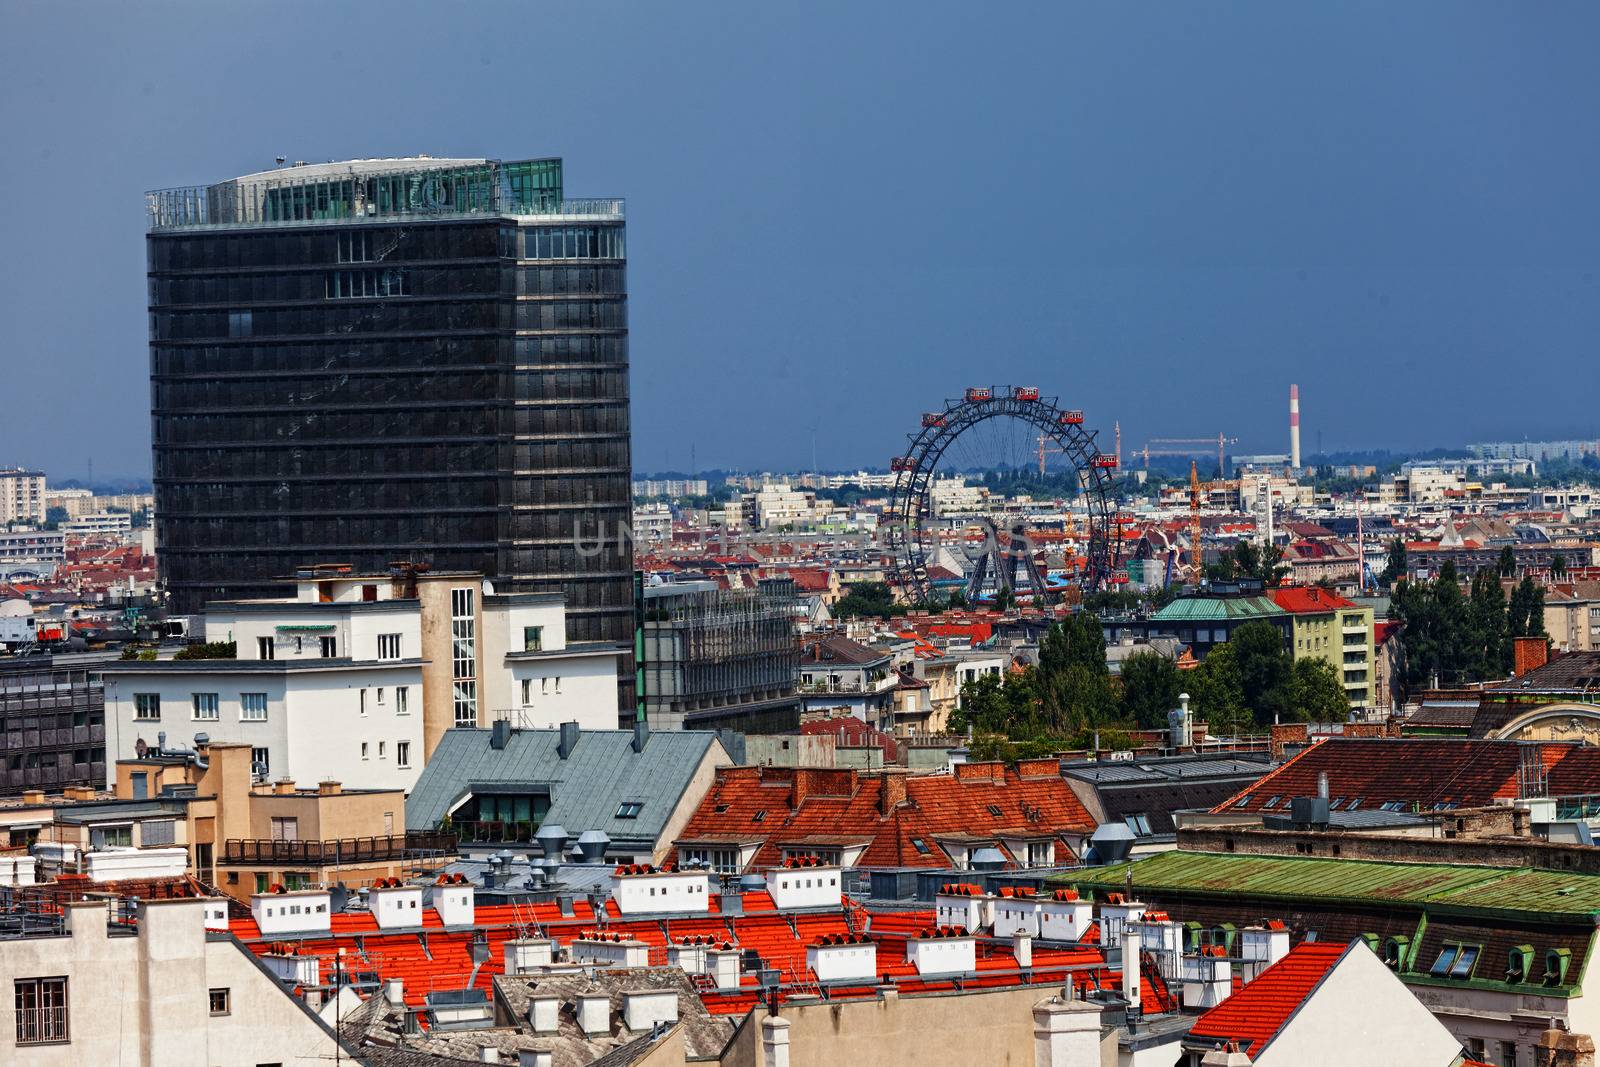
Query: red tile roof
[
  {"x": 891, "y": 810},
  {"x": 1255, "y": 1014},
  {"x": 1303, "y": 599},
  {"x": 1419, "y": 772}
]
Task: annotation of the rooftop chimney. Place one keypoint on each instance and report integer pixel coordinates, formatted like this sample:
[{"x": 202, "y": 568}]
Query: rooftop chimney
[
  {"x": 641, "y": 734},
  {"x": 1529, "y": 653},
  {"x": 1322, "y": 785},
  {"x": 569, "y": 739},
  {"x": 1294, "y": 426},
  {"x": 329, "y": 789},
  {"x": 1562, "y": 1048},
  {"x": 1130, "y": 965}
]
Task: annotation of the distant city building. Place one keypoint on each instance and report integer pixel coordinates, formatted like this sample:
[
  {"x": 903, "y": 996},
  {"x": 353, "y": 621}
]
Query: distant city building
[
  {"x": 652, "y": 522},
  {"x": 393, "y": 359},
  {"x": 21, "y": 496},
  {"x": 105, "y": 523},
  {"x": 651, "y": 487},
  {"x": 1538, "y": 451},
  {"x": 716, "y": 657},
  {"x": 1328, "y": 627},
  {"x": 52, "y": 722}
]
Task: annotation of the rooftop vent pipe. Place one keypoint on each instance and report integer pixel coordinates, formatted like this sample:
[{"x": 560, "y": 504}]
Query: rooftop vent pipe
[
  {"x": 592, "y": 844},
  {"x": 568, "y": 740},
  {"x": 552, "y": 838}
]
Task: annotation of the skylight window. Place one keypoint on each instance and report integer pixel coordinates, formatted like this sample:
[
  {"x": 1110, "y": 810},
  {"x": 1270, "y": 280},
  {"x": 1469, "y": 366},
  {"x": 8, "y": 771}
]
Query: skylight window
[
  {"x": 1466, "y": 959},
  {"x": 994, "y": 809},
  {"x": 758, "y": 816},
  {"x": 722, "y": 809},
  {"x": 920, "y": 845},
  {"x": 1446, "y": 960},
  {"x": 1272, "y": 802},
  {"x": 629, "y": 809},
  {"x": 1139, "y": 824},
  {"x": 1355, "y": 802},
  {"x": 1243, "y": 801},
  {"x": 1333, "y": 805}
]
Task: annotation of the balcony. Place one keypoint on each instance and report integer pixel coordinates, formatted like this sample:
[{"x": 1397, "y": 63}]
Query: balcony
[{"x": 250, "y": 852}]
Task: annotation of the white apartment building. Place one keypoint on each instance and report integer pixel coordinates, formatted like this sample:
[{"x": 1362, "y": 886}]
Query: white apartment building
[
  {"x": 357, "y": 678},
  {"x": 21, "y": 496},
  {"x": 652, "y": 523},
  {"x": 778, "y": 505},
  {"x": 953, "y": 496},
  {"x": 99, "y": 524}
]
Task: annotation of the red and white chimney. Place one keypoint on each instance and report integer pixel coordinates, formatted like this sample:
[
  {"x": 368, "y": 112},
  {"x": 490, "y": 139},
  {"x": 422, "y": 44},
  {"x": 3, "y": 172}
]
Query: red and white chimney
[{"x": 1294, "y": 427}]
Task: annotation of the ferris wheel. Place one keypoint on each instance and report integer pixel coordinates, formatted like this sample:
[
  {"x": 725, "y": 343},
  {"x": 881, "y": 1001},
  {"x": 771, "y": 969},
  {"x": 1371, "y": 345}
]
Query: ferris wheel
[{"x": 1012, "y": 431}]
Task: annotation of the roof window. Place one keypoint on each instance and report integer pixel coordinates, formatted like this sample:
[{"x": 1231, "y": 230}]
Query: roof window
[
  {"x": 758, "y": 816},
  {"x": 994, "y": 809},
  {"x": 1272, "y": 802},
  {"x": 920, "y": 845},
  {"x": 1243, "y": 801},
  {"x": 629, "y": 809}
]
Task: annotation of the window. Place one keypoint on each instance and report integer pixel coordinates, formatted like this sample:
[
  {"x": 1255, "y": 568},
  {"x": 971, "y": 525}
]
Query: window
[
  {"x": 111, "y": 836},
  {"x": 363, "y": 750},
  {"x": 629, "y": 809},
  {"x": 402, "y": 700},
  {"x": 920, "y": 845},
  {"x": 265, "y": 648},
  {"x": 1446, "y": 959},
  {"x": 285, "y": 828},
  {"x": 41, "y": 1010},
  {"x": 252, "y": 707},
  {"x": 381, "y": 746},
  {"x": 758, "y": 816},
  {"x": 527, "y": 692},
  {"x": 402, "y": 753},
  {"x": 219, "y": 1001},
  {"x": 464, "y": 656},
  {"x": 532, "y": 638},
  {"x": 147, "y": 706},
  {"x": 994, "y": 809},
  {"x": 388, "y": 646},
  {"x": 1466, "y": 960},
  {"x": 330, "y": 647},
  {"x": 260, "y": 765},
  {"x": 205, "y": 707},
  {"x": 721, "y": 860},
  {"x": 1272, "y": 802},
  {"x": 380, "y": 696},
  {"x": 1242, "y": 801},
  {"x": 1139, "y": 824},
  {"x": 157, "y": 832},
  {"x": 361, "y": 700}
]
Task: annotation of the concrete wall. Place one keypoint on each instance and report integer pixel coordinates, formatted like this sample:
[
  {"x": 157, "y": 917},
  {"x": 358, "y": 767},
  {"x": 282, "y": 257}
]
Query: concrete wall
[
  {"x": 143, "y": 1001},
  {"x": 989, "y": 1028}
]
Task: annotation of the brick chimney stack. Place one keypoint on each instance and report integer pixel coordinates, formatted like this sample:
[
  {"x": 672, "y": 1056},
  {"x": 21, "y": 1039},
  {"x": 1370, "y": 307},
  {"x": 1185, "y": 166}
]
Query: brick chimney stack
[
  {"x": 1563, "y": 1048},
  {"x": 1529, "y": 653}
]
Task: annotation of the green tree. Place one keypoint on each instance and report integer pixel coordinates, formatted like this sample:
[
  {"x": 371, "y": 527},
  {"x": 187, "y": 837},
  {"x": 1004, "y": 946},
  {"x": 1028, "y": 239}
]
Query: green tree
[
  {"x": 1150, "y": 688},
  {"x": 1525, "y": 616},
  {"x": 1395, "y": 568},
  {"x": 1262, "y": 562},
  {"x": 1003, "y": 599},
  {"x": 1318, "y": 694},
  {"x": 1074, "y": 682},
  {"x": 1508, "y": 563},
  {"x": 1265, "y": 667},
  {"x": 1486, "y": 610},
  {"x": 1216, "y": 692},
  {"x": 1558, "y": 566},
  {"x": 866, "y": 598},
  {"x": 1008, "y": 706}
]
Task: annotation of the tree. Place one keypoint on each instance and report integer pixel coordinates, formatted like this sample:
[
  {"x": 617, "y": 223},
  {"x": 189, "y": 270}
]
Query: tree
[
  {"x": 1318, "y": 693},
  {"x": 1074, "y": 683},
  {"x": 54, "y": 517},
  {"x": 1262, "y": 562},
  {"x": 1558, "y": 566},
  {"x": 995, "y": 705},
  {"x": 1395, "y": 569},
  {"x": 1486, "y": 611},
  {"x": 1150, "y": 688},
  {"x": 1216, "y": 692},
  {"x": 1525, "y": 616},
  {"x": 866, "y": 598},
  {"x": 1264, "y": 670},
  {"x": 1508, "y": 562}
]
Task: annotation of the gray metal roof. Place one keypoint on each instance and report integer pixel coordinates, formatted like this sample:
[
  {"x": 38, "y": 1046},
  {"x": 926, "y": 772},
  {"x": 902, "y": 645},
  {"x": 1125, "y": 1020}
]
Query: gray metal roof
[
  {"x": 602, "y": 771},
  {"x": 1169, "y": 769}
]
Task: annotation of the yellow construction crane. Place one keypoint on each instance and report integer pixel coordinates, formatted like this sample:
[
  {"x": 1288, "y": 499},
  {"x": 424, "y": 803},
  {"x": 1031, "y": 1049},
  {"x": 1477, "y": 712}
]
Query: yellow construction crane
[
  {"x": 1196, "y": 487},
  {"x": 1221, "y": 441}
]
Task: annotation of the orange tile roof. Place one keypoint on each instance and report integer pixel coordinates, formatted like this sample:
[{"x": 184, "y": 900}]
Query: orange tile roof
[
  {"x": 1301, "y": 599},
  {"x": 1254, "y": 1015},
  {"x": 775, "y": 804}
]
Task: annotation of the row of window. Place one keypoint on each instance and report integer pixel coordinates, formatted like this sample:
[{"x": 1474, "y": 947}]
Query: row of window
[
  {"x": 358, "y": 284},
  {"x": 175, "y": 403},
  {"x": 207, "y": 707},
  {"x": 302, "y": 247},
  {"x": 402, "y": 752},
  {"x": 331, "y": 358}
]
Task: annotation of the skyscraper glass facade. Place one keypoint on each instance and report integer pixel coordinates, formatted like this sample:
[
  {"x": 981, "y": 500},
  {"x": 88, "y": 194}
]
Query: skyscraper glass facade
[{"x": 393, "y": 360}]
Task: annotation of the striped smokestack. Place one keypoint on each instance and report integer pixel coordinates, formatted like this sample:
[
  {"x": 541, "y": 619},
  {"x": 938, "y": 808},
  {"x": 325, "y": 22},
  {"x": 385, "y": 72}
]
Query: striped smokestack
[{"x": 1294, "y": 426}]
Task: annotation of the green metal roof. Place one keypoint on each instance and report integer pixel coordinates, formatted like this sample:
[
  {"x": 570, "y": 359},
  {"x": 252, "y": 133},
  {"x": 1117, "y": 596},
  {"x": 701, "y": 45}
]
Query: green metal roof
[
  {"x": 1218, "y": 608},
  {"x": 1525, "y": 892}
]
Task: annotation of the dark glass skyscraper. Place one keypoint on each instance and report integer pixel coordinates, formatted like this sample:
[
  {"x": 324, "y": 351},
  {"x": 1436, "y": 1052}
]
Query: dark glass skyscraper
[{"x": 401, "y": 359}]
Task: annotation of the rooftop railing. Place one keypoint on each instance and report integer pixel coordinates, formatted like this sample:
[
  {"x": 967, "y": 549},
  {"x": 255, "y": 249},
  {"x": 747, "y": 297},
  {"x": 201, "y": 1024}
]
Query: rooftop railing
[
  {"x": 411, "y": 845},
  {"x": 232, "y": 206}
]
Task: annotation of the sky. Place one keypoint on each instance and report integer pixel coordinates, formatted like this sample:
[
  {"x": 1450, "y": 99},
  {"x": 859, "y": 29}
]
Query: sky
[{"x": 841, "y": 213}]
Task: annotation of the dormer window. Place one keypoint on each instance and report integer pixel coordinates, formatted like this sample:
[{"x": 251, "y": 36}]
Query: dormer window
[{"x": 1519, "y": 961}]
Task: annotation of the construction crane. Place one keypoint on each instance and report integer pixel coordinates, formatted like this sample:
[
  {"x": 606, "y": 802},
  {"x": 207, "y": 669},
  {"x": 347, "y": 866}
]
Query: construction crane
[
  {"x": 1222, "y": 441},
  {"x": 1196, "y": 487}
]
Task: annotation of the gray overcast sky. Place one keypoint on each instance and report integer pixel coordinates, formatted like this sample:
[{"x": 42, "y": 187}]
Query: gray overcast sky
[{"x": 841, "y": 212}]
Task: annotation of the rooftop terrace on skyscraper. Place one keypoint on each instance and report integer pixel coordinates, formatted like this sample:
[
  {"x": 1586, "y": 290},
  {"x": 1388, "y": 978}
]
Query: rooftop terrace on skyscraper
[{"x": 354, "y": 190}]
